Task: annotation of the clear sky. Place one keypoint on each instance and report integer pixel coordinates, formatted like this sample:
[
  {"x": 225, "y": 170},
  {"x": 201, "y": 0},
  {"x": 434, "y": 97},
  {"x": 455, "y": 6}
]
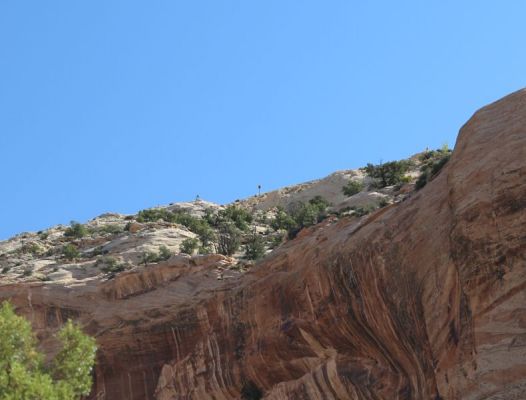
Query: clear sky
[{"x": 123, "y": 105}]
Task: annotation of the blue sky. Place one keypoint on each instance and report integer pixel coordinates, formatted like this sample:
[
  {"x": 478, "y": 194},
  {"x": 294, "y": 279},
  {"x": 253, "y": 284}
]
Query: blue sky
[{"x": 122, "y": 105}]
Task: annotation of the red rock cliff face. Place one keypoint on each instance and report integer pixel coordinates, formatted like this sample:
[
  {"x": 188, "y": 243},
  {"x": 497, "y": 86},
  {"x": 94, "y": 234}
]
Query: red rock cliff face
[{"x": 424, "y": 299}]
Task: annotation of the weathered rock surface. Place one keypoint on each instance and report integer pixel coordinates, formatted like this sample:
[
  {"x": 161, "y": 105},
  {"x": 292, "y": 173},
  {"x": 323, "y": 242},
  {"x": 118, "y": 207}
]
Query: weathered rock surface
[{"x": 424, "y": 299}]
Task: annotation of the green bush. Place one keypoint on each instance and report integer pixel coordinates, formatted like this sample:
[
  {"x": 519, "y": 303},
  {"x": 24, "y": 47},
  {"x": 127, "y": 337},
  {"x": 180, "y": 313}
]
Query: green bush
[
  {"x": 352, "y": 188},
  {"x": 422, "y": 180},
  {"x": 111, "y": 266},
  {"x": 52, "y": 251},
  {"x": 305, "y": 215},
  {"x": 32, "y": 248},
  {"x": 229, "y": 238},
  {"x": 43, "y": 235},
  {"x": 200, "y": 227},
  {"x": 387, "y": 174},
  {"x": 76, "y": 230},
  {"x": 383, "y": 202},
  {"x": 189, "y": 245},
  {"x": 261, "y": 218},
  {"x": 320, "y": 203},
  {"x": 276, "y": 240},
  {"x": 360, "y": 211},
  {"x": 70, "y": 252},
  {"x": 148, "y": 257},
  {"x": 439, "y": 164},
  {"x": 205, "y": 250},
  {"x": 308, "y": 214},
  {"x": 23, "y": 374},
  {"x": 241, "y": 217},
  {"x": 111, "y": 229},
  {"x": 207, "y": 236},
  {"x": 433, "y": 162},
  {"x": 210, "y": 217},
  {"x": 255, "y": 247},
  {"x": 153, "y": 257},
  {"x": 283, "y": 220},
  {"x": 154, "y": 215},
  {"x": 164, "y": 253},
  {"x": 300, "y": 215},
  {"x": 196, "y": 225}
]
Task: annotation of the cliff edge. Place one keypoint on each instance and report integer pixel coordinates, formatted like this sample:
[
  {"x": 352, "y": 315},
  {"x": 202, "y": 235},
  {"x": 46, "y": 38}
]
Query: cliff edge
[{"x": 422, "y": 299}]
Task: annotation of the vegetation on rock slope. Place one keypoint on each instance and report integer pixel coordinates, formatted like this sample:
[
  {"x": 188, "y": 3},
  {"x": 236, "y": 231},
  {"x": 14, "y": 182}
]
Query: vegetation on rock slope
[{"x": 113, "y": 243}]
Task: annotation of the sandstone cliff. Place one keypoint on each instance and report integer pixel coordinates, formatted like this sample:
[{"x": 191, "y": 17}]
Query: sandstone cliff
[{"x": 423, "y": 299}]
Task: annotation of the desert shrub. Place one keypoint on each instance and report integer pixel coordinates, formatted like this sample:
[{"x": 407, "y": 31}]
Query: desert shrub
[
  {"x": 319, "y": 202},
  {"x": 154, "y": 215},
  {"x": 155, "y": 257},
  {"x": 228, "y": 238},
  {"x": 111, "y": 229},
  {"x": 241, "y": 217},
  {"x": 111, "y": 266},
  {"x": 148, "y": 257},
  {"x": 210, "y": 217},
  {"x": 433, "y": 155},
  {"x": 422, "y": 180},
  {"x": 439, "y": 164},
  {"x": 383, "y": 202},
  {"x": 189, "y": 245},
  {"x": 28, "y": 271},
  {"x": 5, "y": 269},
  {"x": 300, "y": 215},
  {"x": 23, "y": 373},
  {"x": 164, "y": 253},
  {"x": 261, "y": 218},
  {"x": 196, "y": 225},
  {"x": 207, "y": 236},
  {"x": 43, "y": 235},
  {"x": 433, "y": 162},
  {"x": 387, "y": 174},
  {"x": 282, "y": 220},
  {"x": 255, "y": 247},
  {"x": 32, "y": 248},
  {"x": 427, "y": 155},
  {"x": 76, "y": 230},
  {"x": 307, "y": 214},
  {"x": 70, "y": 252},
  {"x": 205, "y": 250},
  {"x": 50, "y": 252},
  {"x": 352, "y": 188},
  {"x": 360, "y": 211},
  {"x": 311, "y": 214},
  {"x": 276, "y": 240},
  {"x": 200, "y": 227}
]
